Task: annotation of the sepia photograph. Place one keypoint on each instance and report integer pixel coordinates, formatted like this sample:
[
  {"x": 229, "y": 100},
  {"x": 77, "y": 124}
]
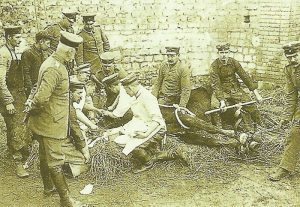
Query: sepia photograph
[{"x": 149, "y": 103}]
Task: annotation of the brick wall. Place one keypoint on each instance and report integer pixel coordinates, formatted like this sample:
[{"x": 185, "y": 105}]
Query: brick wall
[{"x": 139, "y": 29}]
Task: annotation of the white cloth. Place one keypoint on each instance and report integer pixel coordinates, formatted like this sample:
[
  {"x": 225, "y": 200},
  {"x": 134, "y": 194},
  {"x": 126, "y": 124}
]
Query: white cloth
[
  {"x": 124, "y": 102},
  {"x": 145, "y": 111}
]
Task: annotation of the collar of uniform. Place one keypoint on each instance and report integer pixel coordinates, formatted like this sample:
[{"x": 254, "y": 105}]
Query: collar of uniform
[
  {"x": 90, "y": 32},
  {"x": 57, "y": 57},
  {"x": 229, "y": 62}
]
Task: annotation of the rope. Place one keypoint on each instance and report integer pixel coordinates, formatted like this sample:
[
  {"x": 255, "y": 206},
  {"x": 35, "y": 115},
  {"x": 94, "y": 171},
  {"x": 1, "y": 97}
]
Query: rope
[{"x": 177, "y": 109}]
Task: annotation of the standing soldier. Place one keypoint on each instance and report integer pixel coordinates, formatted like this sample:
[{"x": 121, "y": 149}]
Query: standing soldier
[
  {"x": 227, "y": 89},
  {"x": 32, "y": 60},
  {"x": 49, "y": 110},
  {"x": 173, "y": 86},
  {"x": 292, "y": 113},
  {"x": 12, "y": 98},
  {"x": 95, "y": 42},
  {"x": 65, "y": 24}
]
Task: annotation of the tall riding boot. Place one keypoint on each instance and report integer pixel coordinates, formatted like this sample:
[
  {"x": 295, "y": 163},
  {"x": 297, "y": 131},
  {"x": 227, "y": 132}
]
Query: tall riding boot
[
  {"x": 172, "y": 155},
  {"x": 49, "y": 188},
  {"x": 60, "y": 183}
]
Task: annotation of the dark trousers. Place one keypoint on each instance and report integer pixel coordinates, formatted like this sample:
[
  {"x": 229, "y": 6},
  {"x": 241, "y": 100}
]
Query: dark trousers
[{"x": 292, "y": 149}]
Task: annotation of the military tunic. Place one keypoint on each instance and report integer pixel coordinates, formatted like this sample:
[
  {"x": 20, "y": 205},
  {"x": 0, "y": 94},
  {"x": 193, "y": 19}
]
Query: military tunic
[
  {"x": 31, "y": 62},
  {"x": 173, "y": 86},
  {"x": 93, "y": 45},
  {"x": 225, "y": 82},
  {"x": 11, "y": 92},
  {"x": 226, "y": 86},
  {"x": 292, "y": 113},
  {"x": 173, "y": 81}
]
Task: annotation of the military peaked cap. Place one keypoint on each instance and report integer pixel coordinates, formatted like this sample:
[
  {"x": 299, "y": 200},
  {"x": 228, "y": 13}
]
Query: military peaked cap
[
  {"x": 223, "y": 47},
  {"x": 108, "y": 58},
  {"x": 84, "y": 68},
  {"x": 75, "y": 84},
  {"x": 172, "y": 50},
  {"x": 88, "y": 17},
  {"x": 131, "y": 78},
  {"x": 291, "y": 48},
  {"x": 12, "y": 29},
  {"x": 70, "y": 39},
  {"x": 114, "y": 78}
]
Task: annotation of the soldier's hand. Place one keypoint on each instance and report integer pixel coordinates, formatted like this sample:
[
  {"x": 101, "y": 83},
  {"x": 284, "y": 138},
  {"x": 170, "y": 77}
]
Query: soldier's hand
[
  {"x": 283, "y": 123},
  {"x": 140, "y": 135},
  {"x": 10, "y": 108},
  {"x": 222, "y": 106},
  {"x": 28, "y": 105},
  {"x": 86, "y": 154},
  {"x": 258, "y": 96}
]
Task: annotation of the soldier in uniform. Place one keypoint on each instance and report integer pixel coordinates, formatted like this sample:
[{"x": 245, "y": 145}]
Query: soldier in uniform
[
  {"x": 65, "y": 24},
  {"x": 12, "y": 98},
  {"x": 32, "y": 60},
  {"x": 291, "y": 113},
  {"x": 173, "y": 86},
  {"x": 227, "y": 89},
  {"x": 95, "y": 42},
  {"x": 49, "y": 116}
]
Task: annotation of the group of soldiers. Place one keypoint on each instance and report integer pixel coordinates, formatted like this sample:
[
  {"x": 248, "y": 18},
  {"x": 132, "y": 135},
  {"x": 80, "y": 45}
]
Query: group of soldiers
[{"x": 58, "y": 83}]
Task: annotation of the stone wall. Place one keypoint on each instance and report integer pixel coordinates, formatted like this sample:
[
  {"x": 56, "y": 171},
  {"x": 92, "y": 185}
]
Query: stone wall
[{"x": 139, "y": 29}]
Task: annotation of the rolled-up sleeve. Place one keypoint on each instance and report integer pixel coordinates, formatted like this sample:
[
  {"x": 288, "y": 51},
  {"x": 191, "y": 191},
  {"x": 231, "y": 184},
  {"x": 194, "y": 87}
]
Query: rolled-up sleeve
[
  {"x": 124, "y": 103},
  {"x": 151, "y": 105}
]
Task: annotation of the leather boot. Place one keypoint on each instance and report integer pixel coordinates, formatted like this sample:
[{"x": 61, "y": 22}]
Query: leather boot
[
  {"x": 279, "y": 174},
  {"x": 60, "y": 183},
  {"x": 21, "y": 171},
  {"x": 49, "y": 188}
]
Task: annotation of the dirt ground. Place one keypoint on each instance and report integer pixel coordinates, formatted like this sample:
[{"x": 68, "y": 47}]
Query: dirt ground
[{"x": 164, "y": 185}]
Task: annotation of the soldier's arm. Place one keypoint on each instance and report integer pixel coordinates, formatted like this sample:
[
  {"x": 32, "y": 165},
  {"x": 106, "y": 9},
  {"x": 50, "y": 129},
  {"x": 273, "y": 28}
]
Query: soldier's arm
[
  {"x": 5, "y": 94},
  {"x": 216, "y": 82},
  {"x": 186, "y": 86},
  {"x": 48, "y": 83},
  {"x": 291, "y": 98},
  {"x": 106, "y": 45},
  {"x": 75, "y": 131},
  {"x": 26, "y": 64},
  {"x": 157, "y": 84},
  {"x": 248, "y": 81}
]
